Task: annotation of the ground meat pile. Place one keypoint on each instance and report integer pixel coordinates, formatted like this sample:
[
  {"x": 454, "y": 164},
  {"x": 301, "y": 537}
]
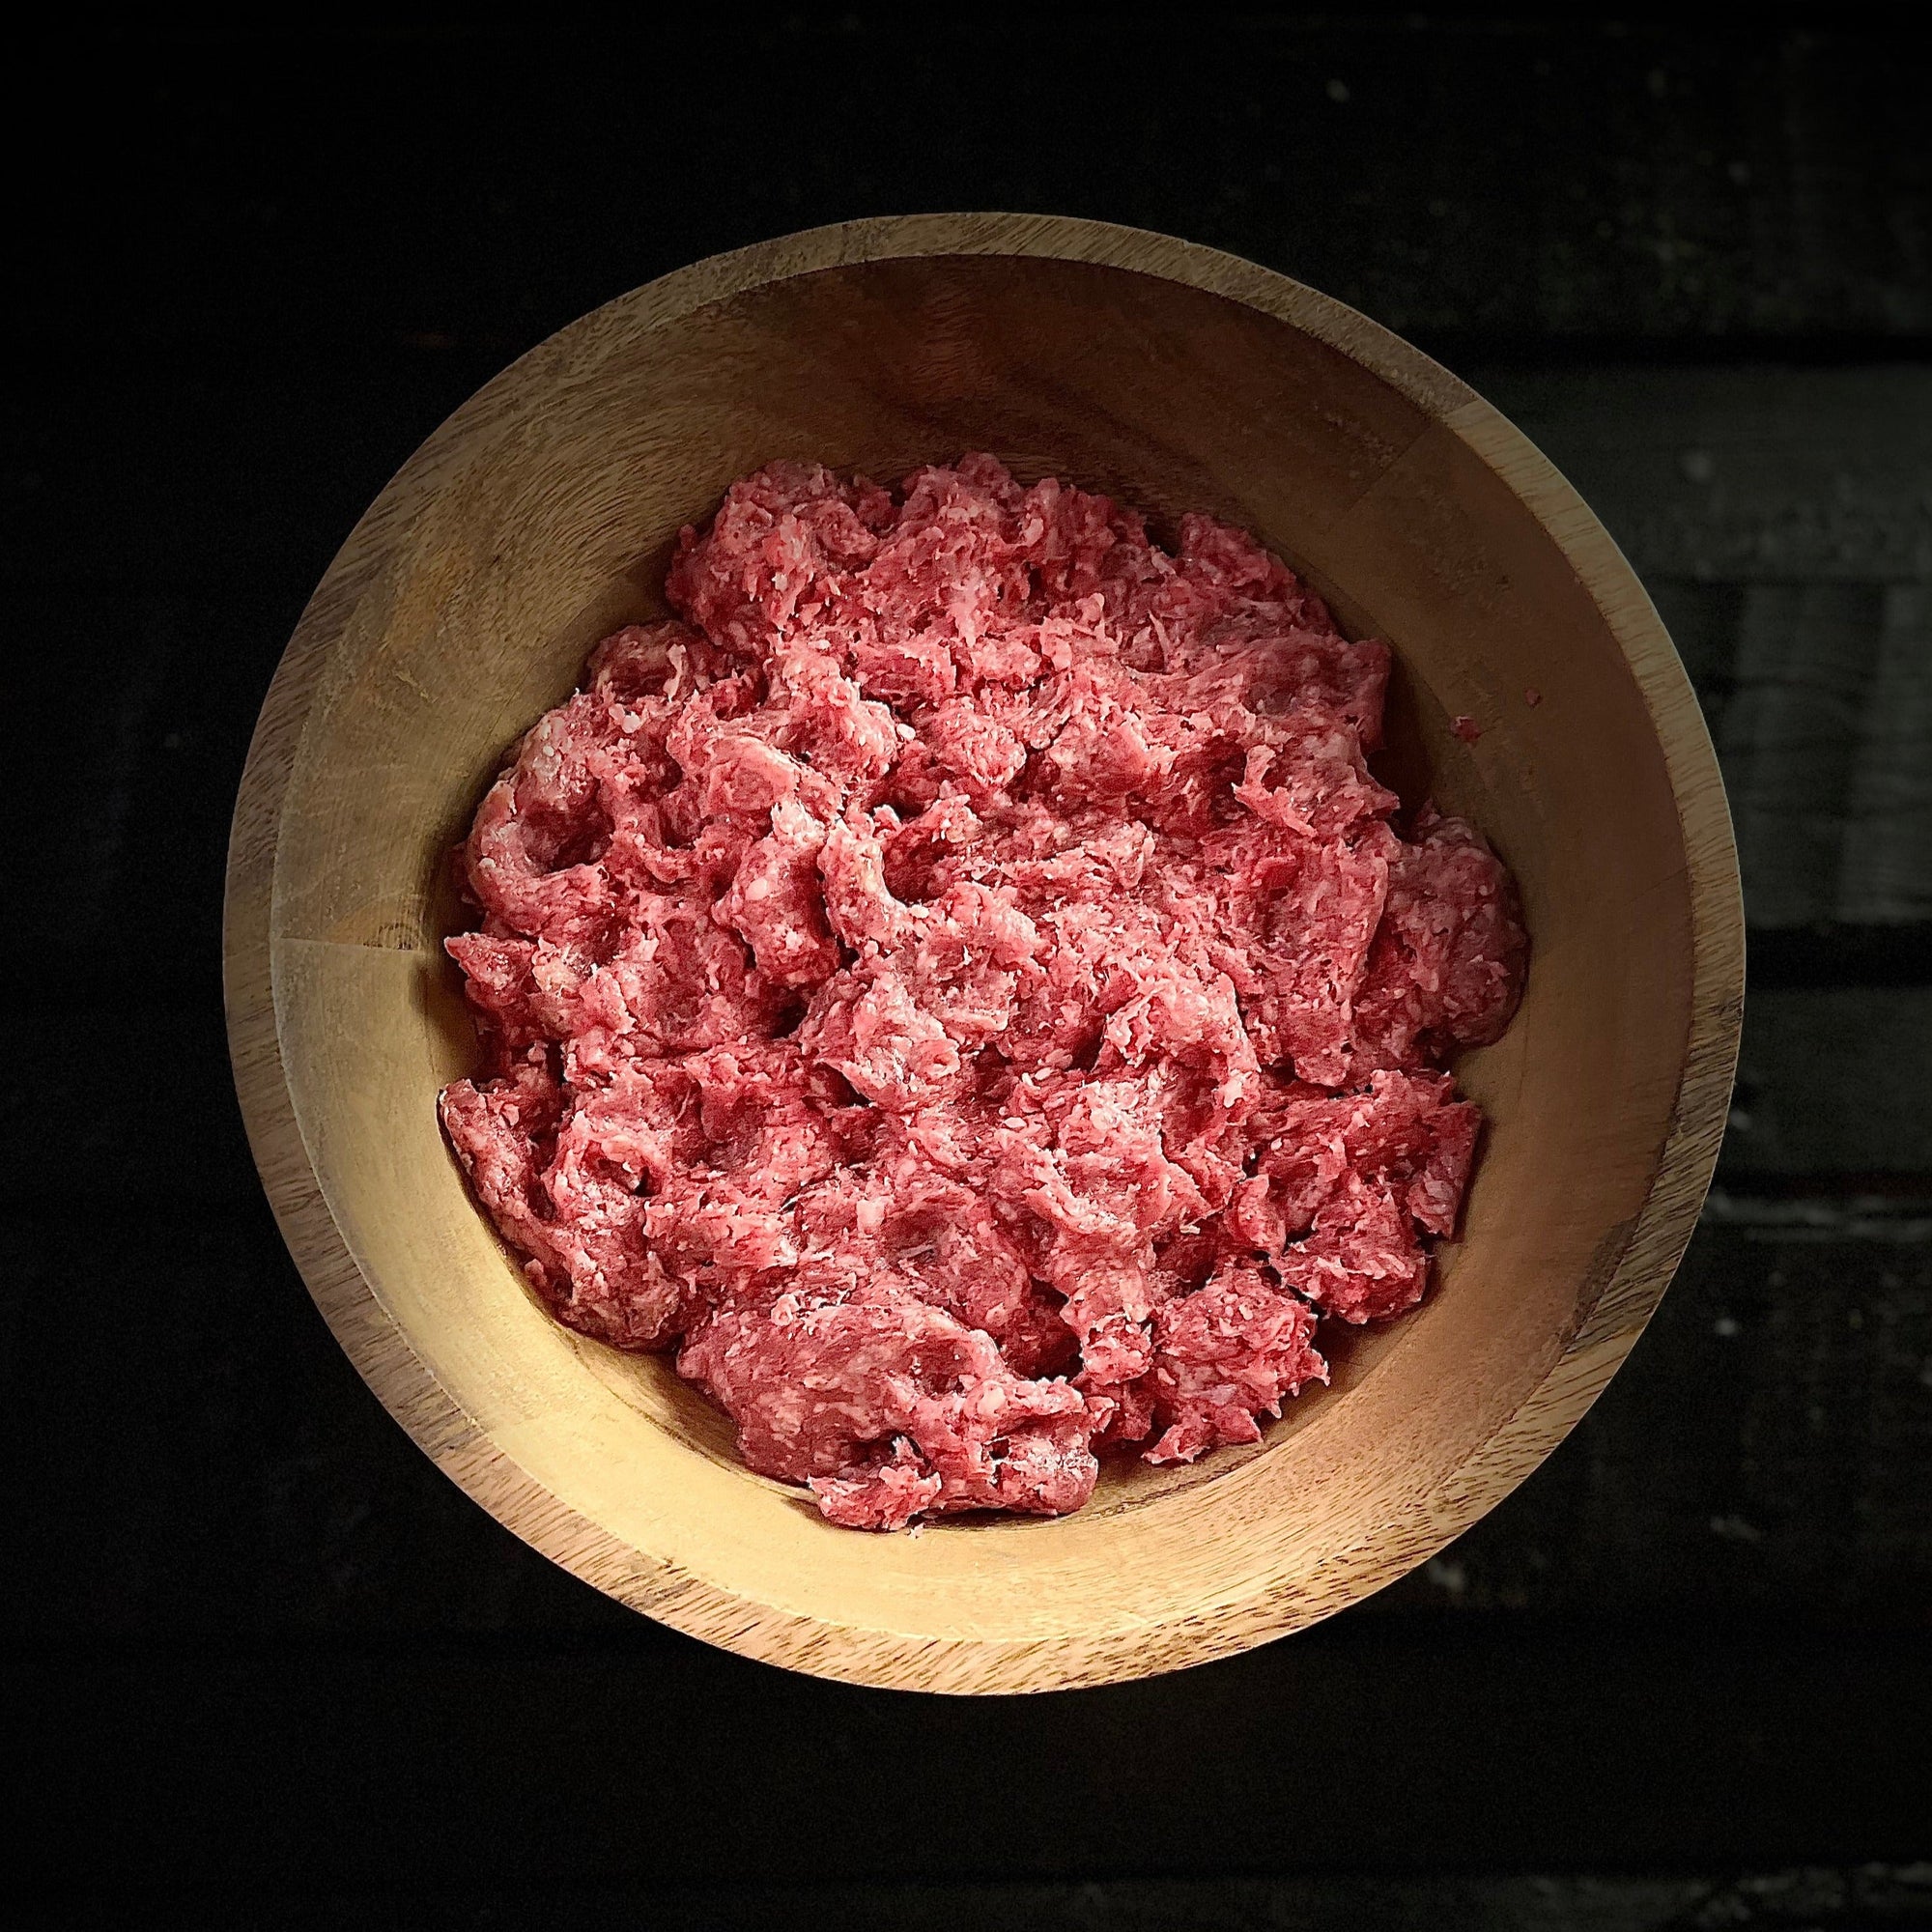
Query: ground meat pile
[{"x": 960, "y": 986}]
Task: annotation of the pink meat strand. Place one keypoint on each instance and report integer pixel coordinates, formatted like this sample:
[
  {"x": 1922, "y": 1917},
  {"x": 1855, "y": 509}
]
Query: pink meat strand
[{"x": 960, "y": 986}]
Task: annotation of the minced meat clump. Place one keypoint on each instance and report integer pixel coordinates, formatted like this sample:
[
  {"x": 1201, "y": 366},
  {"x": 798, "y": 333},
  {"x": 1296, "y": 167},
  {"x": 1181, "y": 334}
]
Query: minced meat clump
[{"x": 960, "y": 986}]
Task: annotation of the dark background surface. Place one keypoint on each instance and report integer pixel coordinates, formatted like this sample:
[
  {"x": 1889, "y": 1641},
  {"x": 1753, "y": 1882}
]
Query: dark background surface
[{"x": 261, "y": 1651}]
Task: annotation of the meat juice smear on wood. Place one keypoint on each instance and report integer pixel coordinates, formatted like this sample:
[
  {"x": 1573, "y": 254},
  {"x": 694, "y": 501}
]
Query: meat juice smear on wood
[{"x": 959, "y": 987}]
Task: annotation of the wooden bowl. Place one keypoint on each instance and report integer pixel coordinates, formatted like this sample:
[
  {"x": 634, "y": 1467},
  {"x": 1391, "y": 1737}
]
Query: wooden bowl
[{"x": 542, "y": 515}]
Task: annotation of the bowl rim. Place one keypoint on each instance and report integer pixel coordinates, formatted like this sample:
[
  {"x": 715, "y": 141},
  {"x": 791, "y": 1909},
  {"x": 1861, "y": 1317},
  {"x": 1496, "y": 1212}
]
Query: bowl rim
[{"x": 1631, "y": 1278}]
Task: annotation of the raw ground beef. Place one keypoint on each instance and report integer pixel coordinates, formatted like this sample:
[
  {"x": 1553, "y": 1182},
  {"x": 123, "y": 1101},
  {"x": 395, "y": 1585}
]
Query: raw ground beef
[{"x": 960, "y": 986}]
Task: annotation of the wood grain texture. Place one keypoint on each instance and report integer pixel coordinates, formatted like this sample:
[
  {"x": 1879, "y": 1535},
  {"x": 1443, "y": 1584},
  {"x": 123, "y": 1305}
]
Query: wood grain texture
[
  {"x": 1872, "y": 1115},
  {"x": 1654, "y": 1774},
  {"x": 1861, "y": 1899},
  {"x": 1763, "y": 473},
  {"x": 536, "y": 518},
  {"x": 1783, "y": 519},
  {"x": 1623, "y": 180},
  {"x": 1820, "y": 481}
]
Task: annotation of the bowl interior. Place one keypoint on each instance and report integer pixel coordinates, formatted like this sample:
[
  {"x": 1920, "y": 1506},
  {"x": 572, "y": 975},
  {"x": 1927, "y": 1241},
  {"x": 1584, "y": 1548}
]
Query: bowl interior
[{"x": 544, "y": 515}]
